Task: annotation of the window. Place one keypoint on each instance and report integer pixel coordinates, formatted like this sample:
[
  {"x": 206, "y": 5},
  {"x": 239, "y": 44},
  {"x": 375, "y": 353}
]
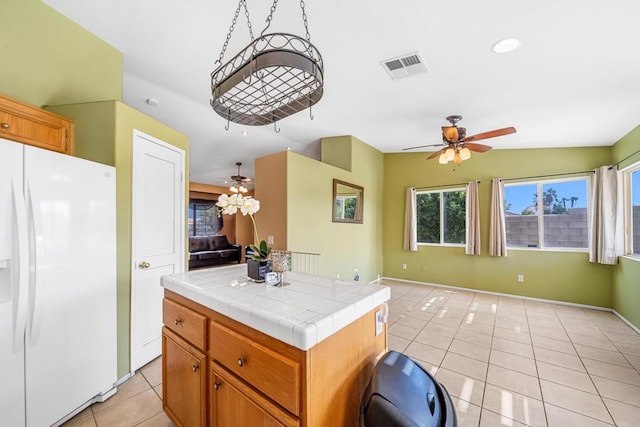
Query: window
[
  {"x": 203, "y": 218},
  {"x": 632, "y": 217},
  {"x": 547, "y": 214},
  {"x": 441, "y": 217}
]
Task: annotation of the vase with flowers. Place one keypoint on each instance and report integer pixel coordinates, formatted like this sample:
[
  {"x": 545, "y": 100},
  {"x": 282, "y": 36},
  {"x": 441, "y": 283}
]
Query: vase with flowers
[{"x": 258, "y": 262}]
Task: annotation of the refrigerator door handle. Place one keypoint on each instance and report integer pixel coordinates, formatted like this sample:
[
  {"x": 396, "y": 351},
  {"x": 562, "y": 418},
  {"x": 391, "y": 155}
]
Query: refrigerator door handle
[
  {"x": 35, "y": 247},
  {"x": 21, "y": 261}
]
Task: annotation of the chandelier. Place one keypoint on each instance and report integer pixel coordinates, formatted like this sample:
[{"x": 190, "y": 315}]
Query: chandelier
[
  {"x": 237, "y": 187},
  {"x": 456, "y": 153},
  {"x": 274, "y": 76}
]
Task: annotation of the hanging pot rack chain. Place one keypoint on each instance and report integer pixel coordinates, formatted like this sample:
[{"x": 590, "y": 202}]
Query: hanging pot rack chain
[
  {"x": 270, "y": 17},
  {"x": 304, "y": 19},
  {"x": 241, "y": 3}
]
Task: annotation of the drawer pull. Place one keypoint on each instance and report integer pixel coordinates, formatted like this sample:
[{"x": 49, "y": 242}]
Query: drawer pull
[
  {"x": 216, "y": 385},
  {"x": 241, "y": 362},
  {"x": 195, "y": 368},
  {"x": 5, "y": 125},
  {"x": 178, "y": 321}
]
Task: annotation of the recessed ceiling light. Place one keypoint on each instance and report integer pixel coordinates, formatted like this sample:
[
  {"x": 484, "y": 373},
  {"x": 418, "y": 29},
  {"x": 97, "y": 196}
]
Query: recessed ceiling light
[
  {"x": 506, "y": 45},
  {"x": 244, "y": 133},
  {"x": 152, "y": 101}
]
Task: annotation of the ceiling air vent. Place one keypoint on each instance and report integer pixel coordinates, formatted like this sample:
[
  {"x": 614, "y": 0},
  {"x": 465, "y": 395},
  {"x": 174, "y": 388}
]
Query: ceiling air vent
[{"x": 404, "y": 65}]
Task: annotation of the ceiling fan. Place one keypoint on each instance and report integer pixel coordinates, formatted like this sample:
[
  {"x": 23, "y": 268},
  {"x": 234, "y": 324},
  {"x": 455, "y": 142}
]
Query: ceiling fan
[
  {"x": 457, "y": 145},
  {"x": 239, "y": 181}
]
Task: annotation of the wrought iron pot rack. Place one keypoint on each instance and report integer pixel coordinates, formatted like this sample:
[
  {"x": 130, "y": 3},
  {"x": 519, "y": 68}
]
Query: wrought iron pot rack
[{"x": 273, "y": 77}]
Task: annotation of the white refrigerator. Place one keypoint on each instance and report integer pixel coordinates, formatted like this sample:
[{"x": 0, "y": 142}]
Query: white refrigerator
[{"x": 57, "y": 285}]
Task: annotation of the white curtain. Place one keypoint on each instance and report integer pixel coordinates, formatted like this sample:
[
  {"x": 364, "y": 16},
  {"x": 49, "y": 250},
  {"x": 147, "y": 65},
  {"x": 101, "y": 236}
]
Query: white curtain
[
  {"x": 497, "y": 227},
  {"x": 410, "y": 221},
  {"x": 473, "y": 219},
  {"x": 605, "y": 219}
]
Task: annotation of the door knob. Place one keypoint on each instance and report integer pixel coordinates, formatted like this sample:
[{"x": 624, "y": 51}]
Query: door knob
[{"x": 143, "y": 265}]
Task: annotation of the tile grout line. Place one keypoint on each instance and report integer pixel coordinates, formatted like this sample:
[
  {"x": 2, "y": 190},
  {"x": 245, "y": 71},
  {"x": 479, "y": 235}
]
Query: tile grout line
[{"x": 589, "y": 373}]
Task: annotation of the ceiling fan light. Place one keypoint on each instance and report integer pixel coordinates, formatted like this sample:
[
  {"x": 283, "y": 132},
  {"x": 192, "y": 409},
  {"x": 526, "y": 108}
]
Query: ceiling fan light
[
  {"x": 450, "y": 133},
  {"x": 457, "y": 159},
  {"x": 233, "y": 188},
  {"x": 242, "y": 189},
  {"x": 442, "y": 159},
  {"x": 465, "y": 154},
  {"x": 449, "y": 154}
]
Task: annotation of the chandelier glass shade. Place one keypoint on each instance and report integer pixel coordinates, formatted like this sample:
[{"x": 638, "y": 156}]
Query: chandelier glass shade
[
  {"x": 454, "y": 154},
  {"x": 238, "y": 188}
]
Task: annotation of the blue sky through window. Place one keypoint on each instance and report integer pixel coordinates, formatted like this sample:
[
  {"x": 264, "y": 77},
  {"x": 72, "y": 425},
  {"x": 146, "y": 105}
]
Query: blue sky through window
[{"x": 521, "y": 196}]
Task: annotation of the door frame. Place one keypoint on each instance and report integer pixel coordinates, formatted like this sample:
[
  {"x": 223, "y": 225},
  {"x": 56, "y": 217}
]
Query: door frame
[{"x": 180, "y": 266}]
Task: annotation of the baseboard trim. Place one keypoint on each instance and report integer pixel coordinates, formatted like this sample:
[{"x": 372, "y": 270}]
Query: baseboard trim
[
  {"x": 629, "y": 324},
  {"x": 123, "y": 379},
  {"x": 549, "y": 301}
]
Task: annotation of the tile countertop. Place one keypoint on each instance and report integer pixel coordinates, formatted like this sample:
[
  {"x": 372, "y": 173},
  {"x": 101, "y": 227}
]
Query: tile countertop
[{"x": 302, "y": 314}]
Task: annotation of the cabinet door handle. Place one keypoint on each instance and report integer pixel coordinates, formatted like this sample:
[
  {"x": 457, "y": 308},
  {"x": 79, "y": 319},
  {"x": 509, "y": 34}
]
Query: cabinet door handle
[
  {"x": 195, "y": 368},
  {"x": 178, "y": 321},
  {"x": 241, "y": 362},
  {"x": 4, "y": 125},
  {"x": 216, "y": 385}
]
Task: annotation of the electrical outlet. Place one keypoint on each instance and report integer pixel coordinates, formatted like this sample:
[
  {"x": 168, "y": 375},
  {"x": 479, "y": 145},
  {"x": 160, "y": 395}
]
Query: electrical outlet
[
  {"x": 520, "y": 278},
  {"x": 270, "y": 240},
  {"x": 404, "y": 266}
]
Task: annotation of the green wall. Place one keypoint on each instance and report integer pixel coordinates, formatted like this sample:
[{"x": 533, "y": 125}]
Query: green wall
[
  {"x": 104, "y": 133},
  {"x": 48, "y": 59},
  {"x": 626, "y": 280},
  {"x": 562, "y": 276},
  {"x": 343, "y": 247}
]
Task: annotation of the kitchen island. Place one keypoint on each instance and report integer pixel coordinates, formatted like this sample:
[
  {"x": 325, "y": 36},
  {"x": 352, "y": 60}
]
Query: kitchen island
[{"x": 239, "y": 353}]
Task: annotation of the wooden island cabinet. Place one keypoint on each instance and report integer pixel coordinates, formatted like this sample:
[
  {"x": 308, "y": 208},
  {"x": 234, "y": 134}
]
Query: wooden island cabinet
[{"x": 225, "y": 372}]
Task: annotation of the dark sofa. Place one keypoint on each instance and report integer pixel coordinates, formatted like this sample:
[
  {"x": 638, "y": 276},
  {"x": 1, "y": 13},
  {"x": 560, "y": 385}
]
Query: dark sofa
[{"x": 206, "y": 251}]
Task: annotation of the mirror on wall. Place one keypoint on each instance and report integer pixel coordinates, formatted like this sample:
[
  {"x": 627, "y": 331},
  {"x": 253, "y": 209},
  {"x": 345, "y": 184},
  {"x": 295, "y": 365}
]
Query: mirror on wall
[{"x": 348, "y": 200}]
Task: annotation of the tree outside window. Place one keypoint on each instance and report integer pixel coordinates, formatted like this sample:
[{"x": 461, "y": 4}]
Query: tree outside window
[{"x": 441, "y": 217}]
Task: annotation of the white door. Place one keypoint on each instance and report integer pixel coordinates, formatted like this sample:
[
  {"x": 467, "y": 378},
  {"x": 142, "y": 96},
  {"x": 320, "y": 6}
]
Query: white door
[{"x": 157, "y": 238}]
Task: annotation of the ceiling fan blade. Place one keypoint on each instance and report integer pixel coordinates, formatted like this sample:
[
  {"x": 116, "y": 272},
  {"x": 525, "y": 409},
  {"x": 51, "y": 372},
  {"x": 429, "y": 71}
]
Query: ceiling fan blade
[
  {"x": 450, "y": 133},
  {"x": 437, "y": 153},
  {"x": 478, "y": 148},
  {"x": 491, "y": 134},
  {"x": 422, "y": 146}
]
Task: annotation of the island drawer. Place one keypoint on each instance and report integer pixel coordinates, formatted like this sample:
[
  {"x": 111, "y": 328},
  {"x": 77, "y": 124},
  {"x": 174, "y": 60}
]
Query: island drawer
[
  {"x": 185, "y": 322},
  {"x": 270, "y": 372}
]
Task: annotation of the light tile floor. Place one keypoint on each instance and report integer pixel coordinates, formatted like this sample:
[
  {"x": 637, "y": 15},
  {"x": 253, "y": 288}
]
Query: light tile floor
[
  {"x": 138, "y": 402},
  {"x": 505, "y": 362},
  {"x": 508, "y": 361}
]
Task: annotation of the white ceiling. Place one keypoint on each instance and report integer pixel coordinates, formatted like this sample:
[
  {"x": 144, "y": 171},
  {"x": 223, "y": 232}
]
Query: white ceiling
[{"x": 575, "y": 81}]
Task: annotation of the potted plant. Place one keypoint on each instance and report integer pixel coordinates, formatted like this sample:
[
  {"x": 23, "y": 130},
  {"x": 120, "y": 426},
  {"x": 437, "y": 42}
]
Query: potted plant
[{"x": 258, "y": 262}]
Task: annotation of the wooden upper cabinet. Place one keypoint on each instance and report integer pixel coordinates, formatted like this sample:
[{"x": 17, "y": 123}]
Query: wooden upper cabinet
[{"x": 34, "y": 126}]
